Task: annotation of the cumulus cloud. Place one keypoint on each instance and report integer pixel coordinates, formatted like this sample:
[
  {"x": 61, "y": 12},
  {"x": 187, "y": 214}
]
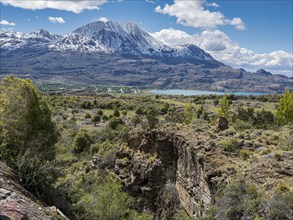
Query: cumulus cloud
[
  {"x": 222, "y": 48},
  {"x": 58, "y": 20},
  {"x": 5, "y": 22},
  {"x": 75, "y": 6},
  {"x": 103, "y": 19},
  {"x": 213, "y": 4},
  {"x": 194, "y": 14}
]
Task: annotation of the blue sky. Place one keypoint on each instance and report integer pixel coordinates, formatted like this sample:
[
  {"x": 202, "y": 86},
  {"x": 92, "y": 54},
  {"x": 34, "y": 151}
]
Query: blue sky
[{"x": 245, "y": 28}]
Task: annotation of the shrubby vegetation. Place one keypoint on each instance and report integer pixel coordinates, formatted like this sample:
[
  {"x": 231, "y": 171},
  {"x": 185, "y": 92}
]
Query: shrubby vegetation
[
  {"x": 54, "y": 160},
  {"x": 285, "y": 109},
  {"x": 25, "y": 121}
]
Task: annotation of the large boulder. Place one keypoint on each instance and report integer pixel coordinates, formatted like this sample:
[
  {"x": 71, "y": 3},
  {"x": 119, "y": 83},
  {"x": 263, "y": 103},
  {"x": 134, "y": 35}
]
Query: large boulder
[{"x": 222, "y": 123}]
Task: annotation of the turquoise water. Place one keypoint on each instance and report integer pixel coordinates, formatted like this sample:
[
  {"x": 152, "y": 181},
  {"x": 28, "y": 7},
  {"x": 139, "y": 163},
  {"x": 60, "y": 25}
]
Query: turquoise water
[{"x": 197, "y": 92}]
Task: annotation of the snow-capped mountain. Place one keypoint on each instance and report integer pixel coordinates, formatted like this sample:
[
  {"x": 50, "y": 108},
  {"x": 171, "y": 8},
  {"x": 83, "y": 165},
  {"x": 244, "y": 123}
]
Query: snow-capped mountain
[
  {"x": 11, "y": 40},
  {"x": 104, "y": 37},
  {"x": 112, "y": 53}
]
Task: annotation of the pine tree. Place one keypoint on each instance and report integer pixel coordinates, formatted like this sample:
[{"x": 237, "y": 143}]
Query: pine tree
[
  {"x": 188, "y": 114},
  {"x": 224, "y": 106},
  {"x": 285, "y": 109}
]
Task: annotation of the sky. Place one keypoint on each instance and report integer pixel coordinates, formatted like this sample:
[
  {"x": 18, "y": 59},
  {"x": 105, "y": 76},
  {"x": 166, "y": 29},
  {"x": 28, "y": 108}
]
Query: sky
[{"x": 242, "y": 33}]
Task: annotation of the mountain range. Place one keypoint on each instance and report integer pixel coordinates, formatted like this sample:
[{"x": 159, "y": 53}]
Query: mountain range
[{"x": 113, "y": 53}]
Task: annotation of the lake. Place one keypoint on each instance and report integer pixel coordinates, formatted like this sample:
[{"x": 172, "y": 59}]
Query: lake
[{"x": 198, "y": 92}]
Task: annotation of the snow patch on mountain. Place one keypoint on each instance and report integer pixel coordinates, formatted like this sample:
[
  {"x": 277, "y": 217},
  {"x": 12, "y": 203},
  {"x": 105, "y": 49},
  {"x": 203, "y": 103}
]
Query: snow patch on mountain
[{"x": 106, "y": 37}]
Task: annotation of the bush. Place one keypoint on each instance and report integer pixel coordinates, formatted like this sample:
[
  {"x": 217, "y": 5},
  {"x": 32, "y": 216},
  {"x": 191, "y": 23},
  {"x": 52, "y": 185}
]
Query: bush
[
  {"x": 100, "y": 112},
  {"x": 115, "y": 122},
  {"x": 105, "y": 118},
  {"x": 152, "y": 117},
  {"x": 124, "y": 112},
  {"x": 96, "y": 119},
  {"x": 238, "y": 201},
  {"x": 139, "y": 111},
  {"x": 25, "y": 121},
  {"x": 35, "y": 174},
  {"x": 230, "y": 145},
  {"x": 280, "y": 206},
  {"x": 264, "y": 120},
  {"x": 81, "y": 142},
  {"x": 285, "y": 109},
  {"x": 87, "y": 115},
  {"x": 136, "y": 119},
  {"x": 116, "y": 113}
]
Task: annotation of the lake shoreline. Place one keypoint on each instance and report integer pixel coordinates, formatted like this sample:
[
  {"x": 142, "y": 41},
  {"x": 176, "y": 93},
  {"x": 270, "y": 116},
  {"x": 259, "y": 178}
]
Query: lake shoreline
[{"x": 199, "y": 92}]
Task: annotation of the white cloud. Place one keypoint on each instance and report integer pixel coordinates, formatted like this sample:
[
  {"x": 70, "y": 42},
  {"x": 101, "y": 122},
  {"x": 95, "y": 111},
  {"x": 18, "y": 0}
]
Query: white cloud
[
  {"x": 213, "y": 4},
  {"x": 103, "y": 19},
  {"x": 58, "y": 20},
  {"x": 5, "y": 22},
  {"x": 193, "y": 13},
  {"x": 222, "y": 48},
  {"x": 75, "y": 6}
]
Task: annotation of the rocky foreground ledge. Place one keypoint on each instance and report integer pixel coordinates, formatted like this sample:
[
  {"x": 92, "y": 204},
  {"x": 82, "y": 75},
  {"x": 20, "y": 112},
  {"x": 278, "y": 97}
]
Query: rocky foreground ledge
[
  {"x": 168, "y": 169},
  {"x": 16, "y": 203}
]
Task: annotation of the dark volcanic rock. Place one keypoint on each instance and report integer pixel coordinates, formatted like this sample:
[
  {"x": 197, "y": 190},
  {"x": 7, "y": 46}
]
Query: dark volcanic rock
[
  {"x": 165, "y": 175},
  {"x": 222, "y": 123}
]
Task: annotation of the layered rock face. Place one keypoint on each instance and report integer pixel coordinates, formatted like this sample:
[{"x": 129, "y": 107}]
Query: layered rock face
[{"x": 164, "y": 172}]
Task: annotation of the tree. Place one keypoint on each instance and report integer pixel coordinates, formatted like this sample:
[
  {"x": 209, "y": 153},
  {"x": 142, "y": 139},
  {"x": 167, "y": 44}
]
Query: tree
[
  {"x": 139, "y": 111},
  {"x": 87, "y": 115},
  {"x": 116, "y": 113},
  {"x": 152, "y": 117},
  {"x": 224, "y": 106},
  {"x": 175, "y": 115},
  {"x": 188, "y": 114},
  {"x": 100, "y": 112},
  {"x": 199, "y": 111},
  {"x": 105, "y": 118},
  {"x": 136, "y": 119},
  {"x": 165, "y": 108},
  {"x": 124, "y": 113},
  {"x": 25, "y": 121},
  {"x": 96, "y": 119},
  {"x": 216, "y": 102},
  {"x": 285, "y": 109}
]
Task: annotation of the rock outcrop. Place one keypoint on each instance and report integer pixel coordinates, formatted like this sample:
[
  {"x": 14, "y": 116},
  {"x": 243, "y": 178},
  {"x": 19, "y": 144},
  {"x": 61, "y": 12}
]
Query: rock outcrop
[
  {"x": 16, "y": 203},
  {"x": 163, "y": 172}
]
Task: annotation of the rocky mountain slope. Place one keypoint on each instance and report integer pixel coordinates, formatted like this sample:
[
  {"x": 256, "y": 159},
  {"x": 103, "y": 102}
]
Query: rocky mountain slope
[{"x": 115, "y": 53}]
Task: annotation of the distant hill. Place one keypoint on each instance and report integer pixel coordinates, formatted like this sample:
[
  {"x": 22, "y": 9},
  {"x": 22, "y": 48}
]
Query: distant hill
[{"x": 112, "y": 53}]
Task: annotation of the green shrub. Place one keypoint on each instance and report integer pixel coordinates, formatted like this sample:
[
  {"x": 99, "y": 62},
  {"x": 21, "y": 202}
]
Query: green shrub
[
  {"x": 115, "y": 122},
  {"x": 25, "y": 121},
  {"x": 100, "y": 112},
  {"x": 96, "y": 119},
  {"x": 116, "y": 113},
  {"x": 285, "y": 109},
  {"x": 35, "y": 174},
  {"x": 242, "y": 125},
  {"x": 152, "y": 117},
  {"x": 81, "y": 142},
  {"x": 238, "y": 201},
  {"x": 230, "y": 145},
  {"x": 280, "y": 206},
  {"x": 135, "y": 120},
  {"x": 87, "y": 115}
]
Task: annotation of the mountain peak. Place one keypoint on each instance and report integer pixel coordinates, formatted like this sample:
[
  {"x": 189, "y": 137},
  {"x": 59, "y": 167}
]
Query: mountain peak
[
  {"x": 263, "y": 72},
  {"x": 44, "y": 34},
  {"x": 105, "y": 36}
]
